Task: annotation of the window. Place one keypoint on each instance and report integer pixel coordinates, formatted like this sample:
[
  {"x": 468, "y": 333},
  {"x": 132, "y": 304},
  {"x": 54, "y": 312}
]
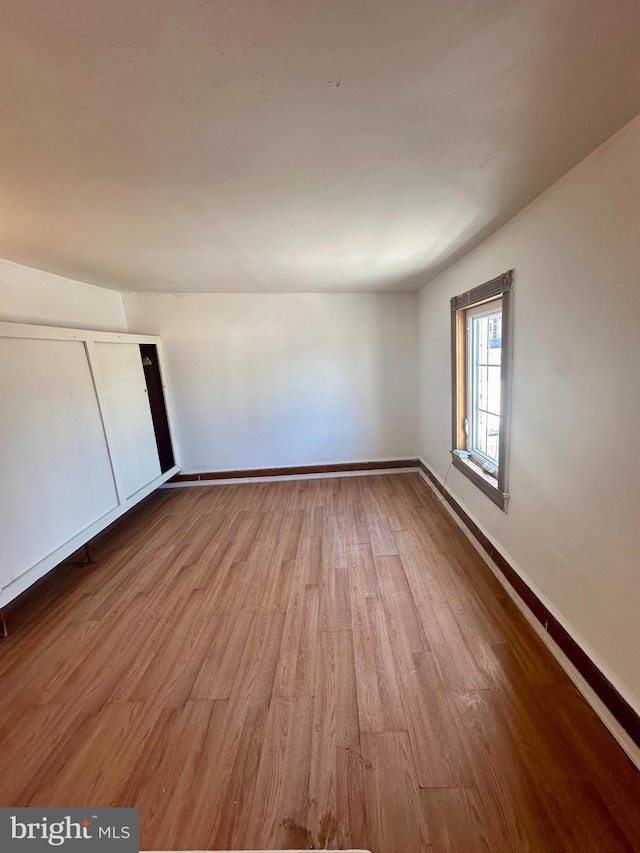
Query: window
[
  {"x": 484, "y": 344},
  {"x": 481, "y": 379}
]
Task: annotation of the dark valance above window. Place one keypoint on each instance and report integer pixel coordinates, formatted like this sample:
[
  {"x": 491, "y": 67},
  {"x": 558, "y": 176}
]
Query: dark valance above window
[{"x": 483, "y": 292}]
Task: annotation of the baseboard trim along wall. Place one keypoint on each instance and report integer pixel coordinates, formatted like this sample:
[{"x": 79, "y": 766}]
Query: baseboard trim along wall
[
  {"x": 251, "y": 474},
  {"x": 613, "y": 709}
]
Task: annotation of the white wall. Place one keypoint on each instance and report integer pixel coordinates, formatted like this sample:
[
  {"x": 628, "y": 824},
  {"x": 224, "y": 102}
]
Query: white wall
[
  {"x": 32, "y": 296},
  {"x": 262, "y": 380},
  {"x": 573, "y": 522}
]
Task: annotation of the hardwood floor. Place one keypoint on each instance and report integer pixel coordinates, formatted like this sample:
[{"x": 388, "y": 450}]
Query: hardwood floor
[{"x": 303, "y": 664}]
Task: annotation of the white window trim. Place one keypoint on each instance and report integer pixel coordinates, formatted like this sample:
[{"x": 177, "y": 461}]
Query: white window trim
[{"x": 481, "y": 459}]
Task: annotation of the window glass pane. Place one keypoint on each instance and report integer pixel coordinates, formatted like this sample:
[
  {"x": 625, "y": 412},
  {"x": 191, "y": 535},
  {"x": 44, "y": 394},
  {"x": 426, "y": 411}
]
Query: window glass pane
[
  {"x": 480, "y": 432},
  {"x": 482, "y": 395},
  {"x": 481, "y": 332},
  {"x": 485, "y": 392},
  {"x": 493, "y": 389},
  {"x": 495, "y": 338},
  {"x": 493, "y": 436}
]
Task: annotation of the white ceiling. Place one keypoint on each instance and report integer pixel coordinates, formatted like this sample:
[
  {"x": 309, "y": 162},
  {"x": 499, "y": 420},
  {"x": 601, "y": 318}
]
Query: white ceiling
[{"x": 246, "y": 145}]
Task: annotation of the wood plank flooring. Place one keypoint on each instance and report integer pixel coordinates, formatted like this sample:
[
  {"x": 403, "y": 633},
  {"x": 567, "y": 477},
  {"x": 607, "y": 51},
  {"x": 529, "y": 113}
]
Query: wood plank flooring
[{"x": 303, "y": 664}]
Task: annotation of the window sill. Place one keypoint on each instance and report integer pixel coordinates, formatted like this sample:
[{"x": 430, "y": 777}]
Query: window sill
[{"x": 486, "y": 483}]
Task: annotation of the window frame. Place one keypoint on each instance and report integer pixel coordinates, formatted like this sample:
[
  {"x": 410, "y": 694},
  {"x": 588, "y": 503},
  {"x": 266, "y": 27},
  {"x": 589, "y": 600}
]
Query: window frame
[
  {"x": 472, "y": 313},
  {"x": 464, "y": 306}
]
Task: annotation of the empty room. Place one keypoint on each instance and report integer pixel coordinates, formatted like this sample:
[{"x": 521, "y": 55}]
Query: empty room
[{"x": 319, "y": 358}]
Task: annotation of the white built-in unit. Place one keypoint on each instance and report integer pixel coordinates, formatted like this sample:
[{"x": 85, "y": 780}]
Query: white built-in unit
[{"x": 80, "y": 441}]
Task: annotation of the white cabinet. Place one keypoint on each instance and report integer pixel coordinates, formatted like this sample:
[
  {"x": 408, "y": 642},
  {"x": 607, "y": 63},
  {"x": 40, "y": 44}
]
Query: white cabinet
[
  {"x": 77, "y": 443},
  {"x": 127, "y": 409}
]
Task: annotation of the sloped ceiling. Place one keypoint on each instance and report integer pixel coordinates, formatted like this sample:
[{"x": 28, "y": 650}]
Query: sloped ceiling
[{"x": 158, "y": 145}]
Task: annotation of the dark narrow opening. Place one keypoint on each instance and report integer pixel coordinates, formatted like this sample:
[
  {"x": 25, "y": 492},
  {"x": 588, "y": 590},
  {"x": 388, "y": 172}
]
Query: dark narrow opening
[{"x": 149, "y": 355}]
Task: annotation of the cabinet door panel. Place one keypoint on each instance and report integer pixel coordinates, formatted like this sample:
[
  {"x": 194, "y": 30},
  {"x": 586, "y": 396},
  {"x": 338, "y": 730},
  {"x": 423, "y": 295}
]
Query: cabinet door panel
[
  {"x": 55, "y": 473},
  {"x": 127, "y": 404}
]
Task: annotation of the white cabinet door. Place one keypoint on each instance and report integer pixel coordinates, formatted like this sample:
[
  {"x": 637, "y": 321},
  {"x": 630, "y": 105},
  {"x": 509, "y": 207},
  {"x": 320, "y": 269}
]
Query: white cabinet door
[
  {"x": 129, "y": 415},
  {"x": 55, "y": 473}
]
